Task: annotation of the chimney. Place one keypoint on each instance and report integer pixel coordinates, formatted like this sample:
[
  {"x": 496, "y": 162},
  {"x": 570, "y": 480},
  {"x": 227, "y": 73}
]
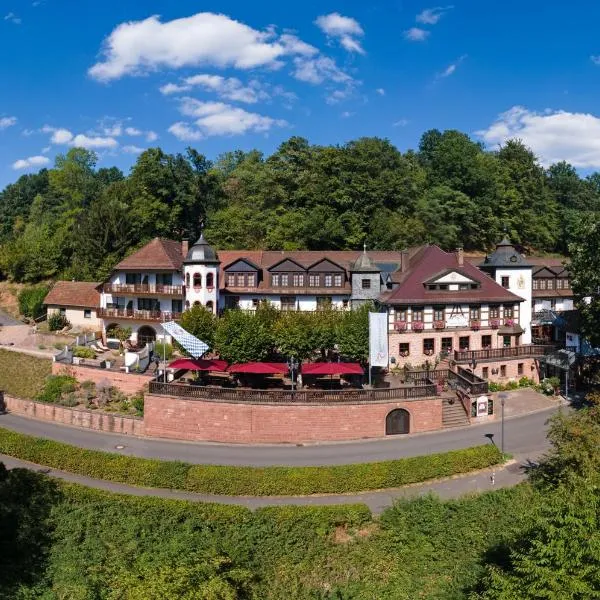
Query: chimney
[
  {"x": 185, "y": 246},
  {"x": 404, "y": 261},
  {"x": 460, "y": 256}
]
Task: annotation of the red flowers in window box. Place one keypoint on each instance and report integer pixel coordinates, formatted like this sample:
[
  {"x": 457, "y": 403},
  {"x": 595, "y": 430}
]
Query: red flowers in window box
[
  {"x": 495, "y": 323},
  {"x": 509, "y": 322},
  {"x": 475, "y": 325},
  {"x": 439, "y": 324},
  {"x": 400, "y": 325},
  {"x": 417, "y": 326}
]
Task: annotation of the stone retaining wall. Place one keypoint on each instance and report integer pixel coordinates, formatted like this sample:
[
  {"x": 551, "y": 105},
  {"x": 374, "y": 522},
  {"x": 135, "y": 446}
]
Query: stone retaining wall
[
  {"x": 88, "y": 419},
  {"x": 197, "y": 420}
]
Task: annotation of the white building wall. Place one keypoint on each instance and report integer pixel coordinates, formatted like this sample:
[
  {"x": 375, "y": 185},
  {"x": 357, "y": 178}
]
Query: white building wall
[
  {"x": 202, "y": 294},
  {"x": 76, "y": 316},
  {"x": 304, "y": 303},
  {"x": 520, "y": 283}
]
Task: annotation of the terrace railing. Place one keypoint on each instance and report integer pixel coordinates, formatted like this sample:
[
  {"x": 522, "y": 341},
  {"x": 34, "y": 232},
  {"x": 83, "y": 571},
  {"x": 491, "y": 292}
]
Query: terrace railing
[
  {"x": 137, "y": 315},
  {"x": 143, "y": 288},
  {"x": 530, "y": 350}
]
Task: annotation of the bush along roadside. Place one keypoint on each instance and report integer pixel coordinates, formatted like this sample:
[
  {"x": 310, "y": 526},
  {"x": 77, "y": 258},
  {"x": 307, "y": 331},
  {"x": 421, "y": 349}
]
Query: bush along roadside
[{"x": 246, "y": 481}]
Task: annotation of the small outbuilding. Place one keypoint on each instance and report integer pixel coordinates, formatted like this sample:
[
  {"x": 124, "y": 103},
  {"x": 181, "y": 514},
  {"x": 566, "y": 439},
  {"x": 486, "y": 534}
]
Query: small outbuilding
[{"x": 77, "y": 301}]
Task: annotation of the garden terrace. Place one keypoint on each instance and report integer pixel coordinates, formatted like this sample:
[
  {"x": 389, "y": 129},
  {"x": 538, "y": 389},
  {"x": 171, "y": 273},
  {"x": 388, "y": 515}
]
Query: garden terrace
[
  {"x": 530, "y": 350},
  {"x": 137, "y": 315}
]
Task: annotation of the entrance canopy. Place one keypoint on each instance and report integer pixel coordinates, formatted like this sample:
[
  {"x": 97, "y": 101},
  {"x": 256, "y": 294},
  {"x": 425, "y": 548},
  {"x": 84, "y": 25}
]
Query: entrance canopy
[
  {"x": 333, "y": 368},
  {"x": 190, "y": 364},
  {"x": 260, "y": 368}
]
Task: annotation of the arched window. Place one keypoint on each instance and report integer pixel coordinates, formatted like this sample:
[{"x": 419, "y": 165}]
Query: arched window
[
  {"x": 210, "y": 280},
  {"x": 187, "y": 280},
  {"x": 197, "y": 280},
  {"x": 397, "y": 422},
  {"x": 209, "y": 306}
]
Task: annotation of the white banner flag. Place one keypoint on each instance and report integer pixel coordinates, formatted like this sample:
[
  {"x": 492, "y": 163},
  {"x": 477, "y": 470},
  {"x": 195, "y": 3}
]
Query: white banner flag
[
  {"x": 378, "y": 340},
  {"x": 190, "y": 342}
]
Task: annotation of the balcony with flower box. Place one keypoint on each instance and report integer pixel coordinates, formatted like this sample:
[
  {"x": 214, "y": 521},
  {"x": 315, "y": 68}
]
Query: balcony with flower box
[
  {"x": 400, "y": 326},
  {"x": 417, "y": 326}
]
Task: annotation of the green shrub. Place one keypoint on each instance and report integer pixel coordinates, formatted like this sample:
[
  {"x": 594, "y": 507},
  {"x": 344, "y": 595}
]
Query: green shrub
[
  {"x": 137, "y": 401},
  {"x": 161, "y": 350},
  {"x": 83, "y": 352},
  {"x": 56, "y": 322},
  {"x": 246, "y": 481},
  {"x": 31, "y": 301},
  {"x": 526, "y": 382},
  {"x": 55, "y": 386}
]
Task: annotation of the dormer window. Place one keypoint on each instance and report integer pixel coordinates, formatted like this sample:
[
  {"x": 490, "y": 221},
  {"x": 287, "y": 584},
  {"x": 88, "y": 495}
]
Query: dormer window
[
  {"x": 328, "y": 280},
  {"x": 337, "y": 280},
  {"x": 298, "y": 280},
  {"x": 314, "y": 280},
  {"x": 275, "y": 280},
  {"x": 285, "y": 280},
  {"x": 230, "y": 280}
]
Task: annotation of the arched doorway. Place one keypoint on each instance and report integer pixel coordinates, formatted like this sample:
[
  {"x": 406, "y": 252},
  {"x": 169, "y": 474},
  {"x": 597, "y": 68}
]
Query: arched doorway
[
  {"x": 397, "y": 422},
  {"x": 145, "y": 334}
]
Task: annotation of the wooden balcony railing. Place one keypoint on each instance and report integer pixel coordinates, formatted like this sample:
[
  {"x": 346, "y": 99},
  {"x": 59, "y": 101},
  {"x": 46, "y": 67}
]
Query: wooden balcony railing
[
  {"x": 530, "y": 350},
  {"x": 194, "y": 392},
  {"x": 144, "y": 289},
  {"x": 137, "y": 315}
]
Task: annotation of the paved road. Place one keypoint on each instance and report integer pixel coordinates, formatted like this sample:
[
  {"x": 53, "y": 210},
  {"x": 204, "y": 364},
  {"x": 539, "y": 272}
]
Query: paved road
[
  {"x": 524, "y": 436},
  {"x": 377, "y": 501},
  {"x": 6, "y": 319}
]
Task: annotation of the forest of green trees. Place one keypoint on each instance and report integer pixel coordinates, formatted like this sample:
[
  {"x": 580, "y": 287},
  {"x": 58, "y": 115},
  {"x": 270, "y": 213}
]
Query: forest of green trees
[{"x": 77, "y": 220}]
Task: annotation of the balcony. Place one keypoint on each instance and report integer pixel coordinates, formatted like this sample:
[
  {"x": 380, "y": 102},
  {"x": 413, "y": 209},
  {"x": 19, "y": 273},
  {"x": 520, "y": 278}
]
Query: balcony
[
  {"x": 137, "y": 315},
  {"x": 527, "y": 351},
  {"x": 143, "y": 289}
]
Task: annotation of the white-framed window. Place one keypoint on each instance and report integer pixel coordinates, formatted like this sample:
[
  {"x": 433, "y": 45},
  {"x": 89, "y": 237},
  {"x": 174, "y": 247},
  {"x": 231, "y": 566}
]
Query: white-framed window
[
  {"x": 285, "y": 280},
  {"x": 337, "y": 280},
  {"x": 314, "y": 280},
  {"x": 230, "y": 279},
  {"x": 275, "y": 280},
  {"x": 328, "y": 279}
]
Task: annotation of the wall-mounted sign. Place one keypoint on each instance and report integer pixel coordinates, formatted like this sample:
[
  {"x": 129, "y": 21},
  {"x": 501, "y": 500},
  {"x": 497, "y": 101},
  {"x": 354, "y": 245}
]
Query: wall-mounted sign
[
  {"x": 482, "y": 406},
  {"x": 457, "y": 320}
]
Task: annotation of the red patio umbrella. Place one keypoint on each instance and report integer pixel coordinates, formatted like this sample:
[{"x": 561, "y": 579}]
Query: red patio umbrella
[
  {"x": 192, "y": 364},
  {"x": 260, "y": 368},
  {"x": 332, "y": 368}
]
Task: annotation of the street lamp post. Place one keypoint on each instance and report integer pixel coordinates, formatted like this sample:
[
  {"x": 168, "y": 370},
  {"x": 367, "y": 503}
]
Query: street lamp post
[
  {"x": 293, "y": 365},
  {"x": 502, "y": 403}
]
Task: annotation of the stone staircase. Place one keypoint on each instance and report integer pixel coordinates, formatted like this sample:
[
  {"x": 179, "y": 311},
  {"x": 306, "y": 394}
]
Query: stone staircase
[{"x": 453, "y": 415}]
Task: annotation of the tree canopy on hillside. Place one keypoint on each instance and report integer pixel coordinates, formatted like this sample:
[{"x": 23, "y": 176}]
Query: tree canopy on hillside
[{"x": 78, "y": 220}]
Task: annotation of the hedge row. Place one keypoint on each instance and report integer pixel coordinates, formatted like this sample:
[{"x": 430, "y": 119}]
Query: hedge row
[{"x": 245, "y": 481}]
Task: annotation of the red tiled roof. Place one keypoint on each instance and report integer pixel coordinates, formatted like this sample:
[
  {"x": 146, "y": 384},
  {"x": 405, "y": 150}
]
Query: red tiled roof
[
  {"x": 74, "y": 293},
  {"x": 155, "y": 255},
  {"x": 432, "y": 261}
]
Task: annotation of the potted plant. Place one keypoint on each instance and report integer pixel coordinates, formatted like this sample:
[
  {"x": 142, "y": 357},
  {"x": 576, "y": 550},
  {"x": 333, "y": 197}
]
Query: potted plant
[
  {"x": 495, "y": 323},
  {"x": 475, "y": 325},
  {"x": 509, "y": 322},
  {"x": 439, "y": 324},
  {"x": 417, "y": 326}
]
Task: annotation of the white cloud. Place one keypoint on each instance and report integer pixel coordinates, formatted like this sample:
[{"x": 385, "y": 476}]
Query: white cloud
[
  {"x": 133, "y": 149},
  {"x": 185, "y": 133},
  {"x": 229, "y": 88},
  {"x": 347, "y": 114},
  {"x": 380, "y": 91},
  {"x": 218, "y": 118},
  {"x": 137, "y": 47},
  {"x": 595, "y": 59},
  {"x": 345, "y": 29},
  {"x": 553, "y": 135},
  {"x": 400, "y": 123},
  {"x": 59, "y": 135},
  {"x": 319, "y": 69},
  {"x": 46, "y": 150},
  {"x": 451, "y": 69},
  {"x": 32, "y": 161},
  {"x": 151, "y": 136},
  {"x": 416, "y": 34},
  {"x": 6, "y": 122},
  {"x": 132, "y": 131},
  {"x": 12, "y": 18},
  {"x": 83, "y": 141},
  {"x": 430, "y": 16}
]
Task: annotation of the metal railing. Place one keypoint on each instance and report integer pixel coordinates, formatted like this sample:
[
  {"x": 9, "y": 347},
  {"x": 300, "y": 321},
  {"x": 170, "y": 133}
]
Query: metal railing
[
  {"x": 143, "y": 288},
  {"x": 530, "y": 350},
  {"x": 194, "y": 392},
  {"x": 139, "y": 315}
]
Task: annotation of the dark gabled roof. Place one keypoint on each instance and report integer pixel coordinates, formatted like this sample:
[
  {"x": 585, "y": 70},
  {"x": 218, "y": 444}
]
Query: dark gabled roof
[
  {"x": 505, "y": 256},
  {"x": 201, "y": 253},
  {"x": 544, "y": 272},
  {"x": 81, "y": 294},
  {"x": 295, "y": 264},
  {"x": 156, "y": 255},
  {"x": 433, "y": 260},
  {"x": 244, "y": 260},
  {"x": 322, "y": 260}
]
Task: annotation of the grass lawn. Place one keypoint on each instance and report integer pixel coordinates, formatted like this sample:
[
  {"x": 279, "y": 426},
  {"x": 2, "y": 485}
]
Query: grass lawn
[{"x": 22, "y": 375}]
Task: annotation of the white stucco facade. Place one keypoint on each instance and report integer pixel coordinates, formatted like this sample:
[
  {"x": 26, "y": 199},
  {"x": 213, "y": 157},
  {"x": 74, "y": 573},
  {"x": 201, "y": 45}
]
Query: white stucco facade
[{"x": 520, "y": 284}]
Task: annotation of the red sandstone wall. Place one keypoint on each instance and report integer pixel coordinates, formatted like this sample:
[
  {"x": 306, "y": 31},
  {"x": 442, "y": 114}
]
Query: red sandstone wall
[
  {"x": 88, "y": 419},
  {"x": 198, "y": 420},
  {"x": 128, "y": 383}
]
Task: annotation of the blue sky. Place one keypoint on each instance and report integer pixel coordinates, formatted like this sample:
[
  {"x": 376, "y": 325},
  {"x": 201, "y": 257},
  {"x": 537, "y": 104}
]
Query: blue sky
[{"x": 119, "y": 77}]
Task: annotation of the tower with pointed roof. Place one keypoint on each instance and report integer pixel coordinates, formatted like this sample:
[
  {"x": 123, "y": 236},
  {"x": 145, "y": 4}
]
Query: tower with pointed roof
[
  {"x": 509, "y": 268},
  {"x": 366, "y": 279},
  {"x": 201, "y": 272}
]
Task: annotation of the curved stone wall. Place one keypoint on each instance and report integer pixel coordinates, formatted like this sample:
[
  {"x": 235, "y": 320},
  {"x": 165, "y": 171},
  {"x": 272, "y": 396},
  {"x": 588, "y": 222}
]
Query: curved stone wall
[{"x": 234, "y": 422}]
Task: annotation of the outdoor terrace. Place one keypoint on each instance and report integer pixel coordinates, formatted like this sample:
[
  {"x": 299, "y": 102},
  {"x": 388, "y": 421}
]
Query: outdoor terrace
[
  {"x": 526, "y": 351},
  {"x": 137, "y": 315},
  {"x": 143, "y": 289}
]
